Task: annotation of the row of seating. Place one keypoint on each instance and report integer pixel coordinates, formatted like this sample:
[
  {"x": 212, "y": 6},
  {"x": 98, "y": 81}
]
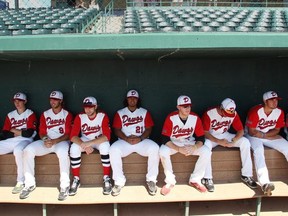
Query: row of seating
[
  {"x": 206, "y": 20},
  {"x": 45, "y": 21}
]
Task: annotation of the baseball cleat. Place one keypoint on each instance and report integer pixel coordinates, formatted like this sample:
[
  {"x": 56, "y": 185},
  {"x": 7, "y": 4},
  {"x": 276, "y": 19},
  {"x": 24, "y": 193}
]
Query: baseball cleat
[
  {"x": 152, "y": 188},
  {"x": 18, "y": 188},
  {"x": 26, "y": 192},
  {"x": 116, "y": 190},
  {"x": 107, "y": 188},
  {"x": 268, "y": 188},
  {"x": 208, "y": 183},
  {"x": 198, "y": 186},
  {"x": 74, "y": 187},
  {"x": 249, "y": 181},
  {"x": 64, "y": 192}
]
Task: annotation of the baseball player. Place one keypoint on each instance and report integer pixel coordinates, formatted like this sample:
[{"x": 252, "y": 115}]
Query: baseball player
[
  {"x": 133, "y": 125},
  {"x": 18, "y": 131},
  {"x": 95, "y": 134},
  {"x": 54, "y": 131},
  {"x": 216, "y": 123},
  {"x": 183, "y": 132},
  {"x": 263, "y": 125}
]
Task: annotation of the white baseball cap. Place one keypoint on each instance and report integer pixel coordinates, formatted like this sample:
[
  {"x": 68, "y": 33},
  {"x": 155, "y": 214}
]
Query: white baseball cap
[
  {"x": 133, "y": 93},
  {"x": 270, "y": 95},
  {"x": 89, "y": 102},
  {"x": 20, "y": 96},
  {"x": 183, "y": 100},
  {"x": 229, "y": 107},
  {"x": 56, "y": 95}
]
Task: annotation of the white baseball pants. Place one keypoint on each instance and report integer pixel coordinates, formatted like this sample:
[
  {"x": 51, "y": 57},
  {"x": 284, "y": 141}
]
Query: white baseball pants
[
  {"x": 16, "y": 145},
  {"x": 204, "y": 159},
  {"x": 38, "y": 148},
  {"x": 257, "y": 145},
  {"x": 75, "y": 150},
  {"x": 245, "y": 153},
  {"x": 145, "y": 148}
]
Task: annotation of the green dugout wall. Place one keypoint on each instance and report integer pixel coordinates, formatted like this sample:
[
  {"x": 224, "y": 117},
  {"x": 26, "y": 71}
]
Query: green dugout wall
[{"x": 207, "y": 71}]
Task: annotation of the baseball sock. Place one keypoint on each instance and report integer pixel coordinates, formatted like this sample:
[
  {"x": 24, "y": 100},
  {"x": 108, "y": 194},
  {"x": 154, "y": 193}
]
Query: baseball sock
[
  {"x": 75, "y": 164},
  {"x": 106, "y": 164}
]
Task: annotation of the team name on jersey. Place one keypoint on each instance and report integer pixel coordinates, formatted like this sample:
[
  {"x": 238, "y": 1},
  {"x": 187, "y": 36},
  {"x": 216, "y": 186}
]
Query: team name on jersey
[
  {"x": 127, "y": 121},
  {"x": 18, "y": 123},
  {"x": 264, "y": 124},
  {"x": 179, "y": 132},
  {"x": 215, "y": 125},
  {"x": 86, "y": 129},
  {"x": 54, "y": 122}
]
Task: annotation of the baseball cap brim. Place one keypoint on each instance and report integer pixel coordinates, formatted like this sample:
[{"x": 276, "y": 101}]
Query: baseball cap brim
[
  {"x": 55, "y": 98},
  {"x": 229, "y": 114},
  {"x": 278, "y": 98}
]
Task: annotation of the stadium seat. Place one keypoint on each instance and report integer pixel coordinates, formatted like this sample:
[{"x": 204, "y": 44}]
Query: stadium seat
[
  {"x": 61, "y": 31},
  {"x": 206, "y": 29},
  {"x": 72, "y": 26},
  {"x": 41, "y": 31},
  {"x": 5, "y": 32},
  {"x": 3, "y": 27},
  {"x": 34, "y": 26},
  {"x": 225, "y": 29},
  {"x": 22, "y": 32},
  {"x": 27, "y": 22},
  {"x": 16, "y": 27},
  {"x": 261, "y": 29},
  {"x": 51, "y": 26}
]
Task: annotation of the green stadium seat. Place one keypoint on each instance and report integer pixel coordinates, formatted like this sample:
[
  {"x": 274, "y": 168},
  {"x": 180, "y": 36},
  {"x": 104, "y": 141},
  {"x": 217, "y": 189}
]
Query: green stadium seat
[
  {"x": 27, "y": 22},
  {"x": 34, "y": 26},
  {"x": 43, "y": 21},
  {"x": 16, "y": 27},
  {"x": 187, "y": 29},
  {"x": 243, "y": 29},
  {"x": 3, "y": 27},
  {"x": 167, "y": 29},
  {"x": 12, "y": 22},
  {"x": 22, "y": 32},
  {"x": 278, "y": 29},
  {"x": 261, "y": 29},
  {"x": 149, "y": 29},
  {"x": 131, "y": 30},
  {"x": 225, "y": 29},
  {"x": 51, "y": 26},
  {"x": 5, "y": 32},
  {"x": 72, "y": 26},
  {"x": 206, "y": 29},
  {"x": 41, "y": 31},
  {"x": 61, "y": 31}
]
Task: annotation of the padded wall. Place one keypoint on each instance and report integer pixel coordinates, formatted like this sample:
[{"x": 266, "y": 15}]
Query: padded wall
[{"x": 206, "y": 81}]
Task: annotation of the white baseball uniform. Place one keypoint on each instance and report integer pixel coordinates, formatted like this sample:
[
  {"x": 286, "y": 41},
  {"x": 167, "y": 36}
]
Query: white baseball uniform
[
  {"x": 23, "y": 121},
  {"x": 90, "y": 129},
  {"x": 182, "y": 134},
  {"x": 133, "y": 123},
  {"x": 218, "y": 127},
  {"x": 54, "y": 126},
  {"x": 258, "y": 119}
]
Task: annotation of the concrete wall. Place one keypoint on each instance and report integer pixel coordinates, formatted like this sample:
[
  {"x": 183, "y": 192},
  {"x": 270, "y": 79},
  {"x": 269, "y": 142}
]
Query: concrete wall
[{"x": 206, "y": 81}]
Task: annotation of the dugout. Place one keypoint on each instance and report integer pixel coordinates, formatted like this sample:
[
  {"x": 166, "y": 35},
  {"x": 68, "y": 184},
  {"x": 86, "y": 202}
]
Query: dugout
[{"x": 205, "y": 66}]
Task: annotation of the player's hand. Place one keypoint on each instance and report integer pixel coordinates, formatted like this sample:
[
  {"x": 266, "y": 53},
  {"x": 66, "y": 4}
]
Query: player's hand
[
  {"x": 89, "y": 150},
  {"x": 48, "y": 143},
  {"x": 132, "y": 139},
  {"x": 223, "y": 142},
  {"x": 190, "y": 149},
  {"x": 83, "y": 145}
]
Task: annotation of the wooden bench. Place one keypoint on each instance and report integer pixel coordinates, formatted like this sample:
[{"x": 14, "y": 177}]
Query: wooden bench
[{"x": 226, "y": 171}]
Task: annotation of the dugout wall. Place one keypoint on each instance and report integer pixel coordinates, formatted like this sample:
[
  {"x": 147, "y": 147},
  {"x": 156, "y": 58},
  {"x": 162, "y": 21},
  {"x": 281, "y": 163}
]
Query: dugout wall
[{"x": 207, "y": 77}]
